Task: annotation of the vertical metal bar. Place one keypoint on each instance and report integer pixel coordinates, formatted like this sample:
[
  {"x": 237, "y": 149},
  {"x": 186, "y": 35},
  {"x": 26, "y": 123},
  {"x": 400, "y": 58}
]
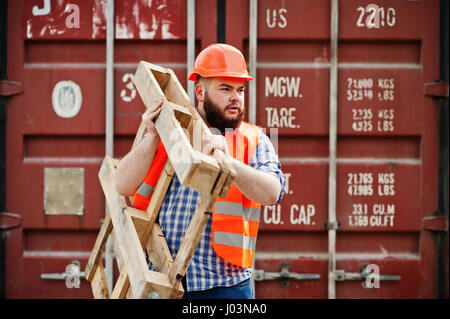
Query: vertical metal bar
[
  {"x": 190, "y": 46},
  {"x": 3, "y": 133},
  {"x": 253, "y": 34},
  {"x": 3, "y": 76},
  {"x": 332, "y": 150},
  {"x": 221, "y": 21},
  {"x": 252, "y": 39},
  {"x": 109, "y": 121},
  {"x": 443, "y": 180},
  {"x": 110, "y": 78}
]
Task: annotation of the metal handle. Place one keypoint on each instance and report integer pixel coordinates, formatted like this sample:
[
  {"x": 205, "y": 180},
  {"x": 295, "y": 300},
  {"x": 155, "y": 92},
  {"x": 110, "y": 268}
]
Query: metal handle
[
  {"x": 341, "y": 275},
  {"x": 72, "y": 270},
  {"x": 284, "y": 275},
  {"x": 61, "y": 276}
]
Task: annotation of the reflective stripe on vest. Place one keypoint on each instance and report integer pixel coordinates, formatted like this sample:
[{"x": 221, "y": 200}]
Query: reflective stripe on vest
[
  {"x": 236, "y": 218},
  {"x": 144, "y": 192},
  {"x": 235, "y": 240},
  {"x": 145, "y": 189},
  {"x": 237, "y": 209}
]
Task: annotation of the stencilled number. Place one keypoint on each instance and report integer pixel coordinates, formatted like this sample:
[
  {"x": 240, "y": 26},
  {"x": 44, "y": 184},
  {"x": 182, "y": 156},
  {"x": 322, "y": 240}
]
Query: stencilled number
[
  {"x": 129, "y": 93},
  {"x": 375, "y": 17}
]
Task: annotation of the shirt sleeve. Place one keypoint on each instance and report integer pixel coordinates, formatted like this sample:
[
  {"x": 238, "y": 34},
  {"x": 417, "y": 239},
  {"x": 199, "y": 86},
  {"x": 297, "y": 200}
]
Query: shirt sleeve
[{"x": 265, "y": 159}]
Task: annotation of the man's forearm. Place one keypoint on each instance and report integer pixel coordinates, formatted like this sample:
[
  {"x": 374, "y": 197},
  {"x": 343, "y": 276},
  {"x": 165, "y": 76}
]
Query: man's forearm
[
  {"x": 134, "y": 166},
  {"x": 261, "y": 187}
]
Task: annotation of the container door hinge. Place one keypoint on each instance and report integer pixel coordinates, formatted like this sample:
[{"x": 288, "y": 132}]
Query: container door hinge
[
  {"x": 335, "y": 225},
  {"x": 284, "y": 275},
  {"x": 436, "y": 89},
  {"x": 9, "y": 88},
  {"x": 437, "y": 223},
  {"x": 369, "y": 273}
]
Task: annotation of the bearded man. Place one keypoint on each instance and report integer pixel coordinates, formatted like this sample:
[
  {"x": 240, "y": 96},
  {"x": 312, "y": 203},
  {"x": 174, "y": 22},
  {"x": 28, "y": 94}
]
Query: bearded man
[{"x": 221, "y": 266}]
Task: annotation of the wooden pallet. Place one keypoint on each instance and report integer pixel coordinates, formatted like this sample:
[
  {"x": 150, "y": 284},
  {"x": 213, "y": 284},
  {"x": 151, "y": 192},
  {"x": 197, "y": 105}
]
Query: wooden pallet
[{"x": 183, "y": 134}]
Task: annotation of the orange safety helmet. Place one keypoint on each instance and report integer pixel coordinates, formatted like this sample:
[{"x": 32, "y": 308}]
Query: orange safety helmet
[{"x": 220, "y": 60}]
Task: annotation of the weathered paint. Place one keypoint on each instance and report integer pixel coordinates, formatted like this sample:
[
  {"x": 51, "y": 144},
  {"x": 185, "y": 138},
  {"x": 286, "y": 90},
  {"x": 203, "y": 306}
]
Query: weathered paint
[
  {"x": 386, "y": 145},
  {"x": 65, "y": 43},
  {"x": 387, "y": 131}
]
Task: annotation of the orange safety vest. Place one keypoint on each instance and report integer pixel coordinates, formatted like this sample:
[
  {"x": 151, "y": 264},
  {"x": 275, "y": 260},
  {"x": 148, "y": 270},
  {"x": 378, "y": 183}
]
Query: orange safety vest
[
  {"x": 235, "y": 218},
  {"x": 144, "y": 193}
]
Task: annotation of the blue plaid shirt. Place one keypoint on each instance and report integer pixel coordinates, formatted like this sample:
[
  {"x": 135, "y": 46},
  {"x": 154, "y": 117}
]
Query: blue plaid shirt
[{"x": 207, "y": 270}]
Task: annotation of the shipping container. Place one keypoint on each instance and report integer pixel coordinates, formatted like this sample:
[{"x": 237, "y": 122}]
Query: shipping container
[{"x": 354, "y": 96}]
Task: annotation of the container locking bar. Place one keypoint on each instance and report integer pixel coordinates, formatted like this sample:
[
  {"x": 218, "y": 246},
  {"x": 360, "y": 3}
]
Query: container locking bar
[
  {"x": 285, "y": 275},
  {"x": 341, "y": 275},
  {"x": 72, "y": 271},
  {"x": 61, "y": 276}
]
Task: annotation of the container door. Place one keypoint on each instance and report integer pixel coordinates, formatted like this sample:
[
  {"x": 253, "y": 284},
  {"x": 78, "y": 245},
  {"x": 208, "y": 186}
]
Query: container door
[
  {"x": 56, "y": 127},
  {"x": 387, "y": 152}
]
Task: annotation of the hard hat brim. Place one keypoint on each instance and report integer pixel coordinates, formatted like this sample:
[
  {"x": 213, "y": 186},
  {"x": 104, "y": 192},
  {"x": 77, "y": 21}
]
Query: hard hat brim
[{"x": 193, "y": 76}]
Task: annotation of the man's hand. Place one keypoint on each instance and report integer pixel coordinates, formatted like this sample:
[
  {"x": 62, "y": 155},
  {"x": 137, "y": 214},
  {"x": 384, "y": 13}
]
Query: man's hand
[
  {"x": 150, "y": 115},
  {"x": 216, "y": 142},
  {"x": 134, "y": 166},
  {"x": 259, "y": 186}
]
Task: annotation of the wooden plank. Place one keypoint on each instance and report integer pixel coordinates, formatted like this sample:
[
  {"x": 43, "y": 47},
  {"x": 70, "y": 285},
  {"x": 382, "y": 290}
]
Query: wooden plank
[
  {"x": 153, "y": 81},
  {"x": 200, "y": 134},
  {"x": 116, "y": 250},
  {"x": 129, "y": 294},
  {"x": 122, "y": 285},
  {"x": 142, "y": 280},
  {"x": 99, "y": 246},
  {"x": 195, "y": 229},
  {"x": 158, "y": 250},
  {"x": 159, "y": 282},
  {"x": 157, "y": 198},
  {"x": 140, "y": 221},
  {"x": 98, "y": 283},
  {"x": 143, "y": 222},
  {"x": 183, "y": 158},
  {"x": 124, "y": 231},
  {"x": 227, "y": 169},
  {"x": 191, "y": 239},
  {"x": 181, "y": 114},
  {"x": 181, "y": 154},
  {"x": 146, "y": 84},
  {"x": 161, "y": 258},
  {"x": 176, "y": 93}
]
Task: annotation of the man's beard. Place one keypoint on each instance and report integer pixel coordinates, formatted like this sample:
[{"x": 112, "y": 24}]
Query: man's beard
[{"x": 217, "y": 118}]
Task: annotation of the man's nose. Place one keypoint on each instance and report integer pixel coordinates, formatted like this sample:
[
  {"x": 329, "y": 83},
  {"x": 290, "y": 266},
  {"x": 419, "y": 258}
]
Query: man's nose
[{"x": 234, "y": 96}]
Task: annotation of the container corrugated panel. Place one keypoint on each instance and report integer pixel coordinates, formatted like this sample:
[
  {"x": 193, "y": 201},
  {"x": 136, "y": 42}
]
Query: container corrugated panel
[
  {"x": 56, "y": 127},
  {"x": 386, "y": 147}
]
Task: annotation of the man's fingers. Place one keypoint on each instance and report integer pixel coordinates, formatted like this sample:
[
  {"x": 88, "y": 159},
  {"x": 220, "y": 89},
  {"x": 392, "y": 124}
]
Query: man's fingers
[
  {"x": 207, "y": 149},
  {"x": 152, "y": 112},
  {"x": 154, "y": 107},
  {"x": 216, "y": 142}
]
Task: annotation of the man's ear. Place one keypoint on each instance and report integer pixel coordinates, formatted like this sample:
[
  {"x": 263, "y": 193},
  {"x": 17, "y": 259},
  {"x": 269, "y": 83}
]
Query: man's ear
[{"x": 200, "y": 92}]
